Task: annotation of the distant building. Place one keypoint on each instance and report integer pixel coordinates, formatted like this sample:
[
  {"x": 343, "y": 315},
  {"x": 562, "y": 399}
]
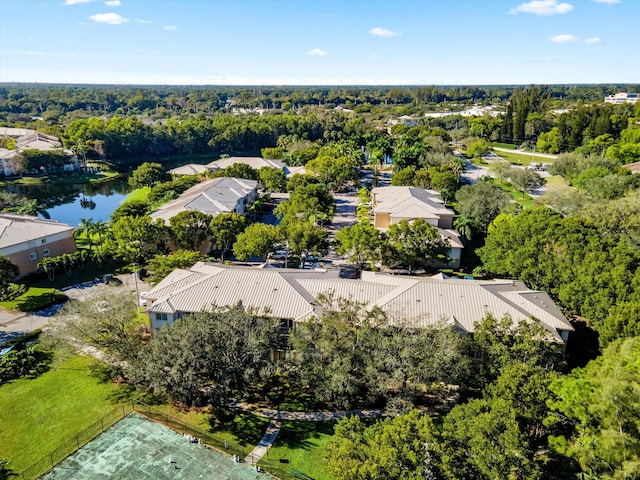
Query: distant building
[
  {"x": 26, "y": 240},
  {"x": 622, "y": 97},
  {"x": 27, "y": 139},
  {"x": 475, "y": 111},
  {"x": 218, "y": 165},
  {"x": 394, "y": 204},
  {"x": 290, "y": 295}
]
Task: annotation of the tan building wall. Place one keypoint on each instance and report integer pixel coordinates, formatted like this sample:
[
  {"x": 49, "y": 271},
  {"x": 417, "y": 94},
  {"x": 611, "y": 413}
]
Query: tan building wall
[
  {"x": 381, "y": 220},
  {"x": 34, "y": 251}
]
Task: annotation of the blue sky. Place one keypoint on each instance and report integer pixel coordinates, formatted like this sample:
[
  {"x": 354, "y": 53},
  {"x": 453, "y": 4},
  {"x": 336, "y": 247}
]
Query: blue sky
[{"x": 310, "y": 42}]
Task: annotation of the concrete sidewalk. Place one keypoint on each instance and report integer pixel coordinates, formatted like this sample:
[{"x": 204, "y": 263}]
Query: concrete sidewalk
[{"x": 261, "y": 449}]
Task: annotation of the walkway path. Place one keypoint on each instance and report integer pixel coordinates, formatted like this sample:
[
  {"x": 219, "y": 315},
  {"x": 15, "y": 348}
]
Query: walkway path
[
  {"x": 277, "y": 417},
  {"x": 522, "y": 152},
  {"x": 269, "y": 437}
]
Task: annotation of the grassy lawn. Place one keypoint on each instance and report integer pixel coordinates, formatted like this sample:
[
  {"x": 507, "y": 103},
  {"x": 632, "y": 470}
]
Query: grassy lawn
[
  {"x": 526, "y": 201},
  {"x": 42, "y": 414},
  {"x": 35, "y": 298},
  {"x": 300, "y": 446},
  {"x": 62, "y": 179},
  {"x": 39, "y": 415},
  {"x": 555, "y": 181},
  {"x": 139, "y": 195},
  {"x": 510, "y": 146}
]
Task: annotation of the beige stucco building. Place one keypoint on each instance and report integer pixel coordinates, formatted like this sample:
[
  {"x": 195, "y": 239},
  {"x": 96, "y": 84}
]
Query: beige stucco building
[{"x": 26, "y": 240}]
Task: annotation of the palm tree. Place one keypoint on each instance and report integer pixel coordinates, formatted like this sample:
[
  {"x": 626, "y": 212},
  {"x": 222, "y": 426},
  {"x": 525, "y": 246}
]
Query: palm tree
[
  {"x": 49, "y": 266},
  {"x": 466, "y": 226},
  {"x": 85, "y": 227},
  {"x": 458, "y": 166},
  {"x": 101, "y": 228}
]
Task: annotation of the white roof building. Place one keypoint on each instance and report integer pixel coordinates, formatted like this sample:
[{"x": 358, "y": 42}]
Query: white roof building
[
  {"x": 290, "y": 294},
  {"x": 215, "y": 196},
  {"x": 622, "y": 97},
  {"x": 217, "y": 165}
]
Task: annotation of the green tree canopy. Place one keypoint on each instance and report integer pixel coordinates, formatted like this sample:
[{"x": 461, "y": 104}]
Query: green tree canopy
[
  {"x": 8, "y": 272},
  {"x": 147, "y": 175},
  {"x": 162, "y": 265},
  {"x": 191, "y": 228},
  {"x": 256, "y": 241},
  {"x": 416, "y": 244},
  {"x": 225, "y": 229}
]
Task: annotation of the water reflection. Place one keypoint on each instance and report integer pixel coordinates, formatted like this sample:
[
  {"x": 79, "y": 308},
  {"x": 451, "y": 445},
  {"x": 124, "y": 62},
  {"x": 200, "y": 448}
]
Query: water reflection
[{"x": 70, "y": 203}]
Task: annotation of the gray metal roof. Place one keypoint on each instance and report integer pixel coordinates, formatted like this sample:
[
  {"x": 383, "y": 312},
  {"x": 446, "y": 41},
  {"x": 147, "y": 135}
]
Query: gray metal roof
[
  {"x": 416, "y": 301},
  {"x": 214, "y": 196}
]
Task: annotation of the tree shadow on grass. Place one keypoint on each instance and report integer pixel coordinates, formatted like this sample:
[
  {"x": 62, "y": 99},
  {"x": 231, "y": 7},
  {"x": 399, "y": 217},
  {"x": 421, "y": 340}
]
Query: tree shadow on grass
[
  {"x": 106, "y": 373},
  {"x": 247, "y": 428},
  {"x": 299, "y": 434}
]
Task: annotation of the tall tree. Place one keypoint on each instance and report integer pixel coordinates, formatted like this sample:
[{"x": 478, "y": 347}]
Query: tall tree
[
  {"x": 147, "y": 175},
  {"x": 8, "y": 272},
  {"x": 191, "y": 228},
  {"x": 225, "y": 229},
  {"x": 416, "y": 244}
]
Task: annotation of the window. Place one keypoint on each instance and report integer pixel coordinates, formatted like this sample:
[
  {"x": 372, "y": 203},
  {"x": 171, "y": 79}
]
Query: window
[
  {"x": 161, "y": 317},
  {"x": 33, "y": 256},
  {"x": 44, "y": 240},
  {"x": 45, "y": 252}
]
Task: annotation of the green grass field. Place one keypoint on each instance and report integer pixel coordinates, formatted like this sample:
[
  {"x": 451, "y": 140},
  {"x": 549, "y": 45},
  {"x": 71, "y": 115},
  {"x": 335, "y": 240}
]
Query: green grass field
[
  {"x": 300, "y": 446},
  {"x": 518, "y": 159},
  {"x": 39, "y": 415},
  {"x": 139, "y": 194},
  {"x": 35, "y": 298},
  {"x": 62, "y": 179}
]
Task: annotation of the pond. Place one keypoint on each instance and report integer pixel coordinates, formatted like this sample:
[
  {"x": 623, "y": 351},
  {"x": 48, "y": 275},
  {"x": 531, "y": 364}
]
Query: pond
[{"x": 70, "y": 203}]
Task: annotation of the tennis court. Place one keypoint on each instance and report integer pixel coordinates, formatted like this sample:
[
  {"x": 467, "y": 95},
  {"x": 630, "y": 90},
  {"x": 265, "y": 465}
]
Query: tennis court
[{"x": 139, "y": 448}]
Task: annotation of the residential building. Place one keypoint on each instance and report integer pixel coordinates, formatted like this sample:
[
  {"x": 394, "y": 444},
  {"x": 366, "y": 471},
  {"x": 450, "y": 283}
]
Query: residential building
[
  {"x": 393, "y": 204},
  {"x": 26, "y": 240},
  {"x": 218, "y": 165},
  {"x": 27, "y": 139},
  {"x": 622, "y": 97},
  {"x": 214, "y": 196},
  {"x": 291, "y": 295}
]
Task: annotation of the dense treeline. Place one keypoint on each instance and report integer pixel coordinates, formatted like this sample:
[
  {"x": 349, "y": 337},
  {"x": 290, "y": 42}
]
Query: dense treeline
[{"x": 53, "y": 101}]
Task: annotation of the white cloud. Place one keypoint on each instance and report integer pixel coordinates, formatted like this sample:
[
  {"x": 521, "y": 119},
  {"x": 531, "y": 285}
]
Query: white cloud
[
  {"x": 169, "y": 28},
  {"x": 113, "y": 3},
  {"x": 318, "y": 52},
  {"x": 33, "y": 52},
  {"x": 142, "y": 20},
  {"x": 109, "y": 18},
  {"x": 542, "y": 7},
  {"x": 76, "y": 2},
  {"x": 592, "y": 40},
  {"x": 382, "y": 32},
  {"x": 564, "y": 39},
  {"x": 610, "y": 2}
]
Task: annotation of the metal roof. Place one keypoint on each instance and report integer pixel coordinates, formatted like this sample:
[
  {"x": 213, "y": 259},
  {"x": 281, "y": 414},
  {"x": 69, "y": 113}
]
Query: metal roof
[
  {"x": 415, "y": 301},
  {"x": 17, "y": 229},
  {"x": 214, "y": 196}
]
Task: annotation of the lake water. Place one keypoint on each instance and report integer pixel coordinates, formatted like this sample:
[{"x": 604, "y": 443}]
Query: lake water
[{"x": 70, "y": 203}]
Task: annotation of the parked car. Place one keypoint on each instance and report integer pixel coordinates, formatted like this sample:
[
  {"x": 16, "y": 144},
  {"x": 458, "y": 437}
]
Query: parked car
[
  {"x": 143, "y": 299},
  {"x": 307, "y": 266},
  {"x": 279, "y": 255}
]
